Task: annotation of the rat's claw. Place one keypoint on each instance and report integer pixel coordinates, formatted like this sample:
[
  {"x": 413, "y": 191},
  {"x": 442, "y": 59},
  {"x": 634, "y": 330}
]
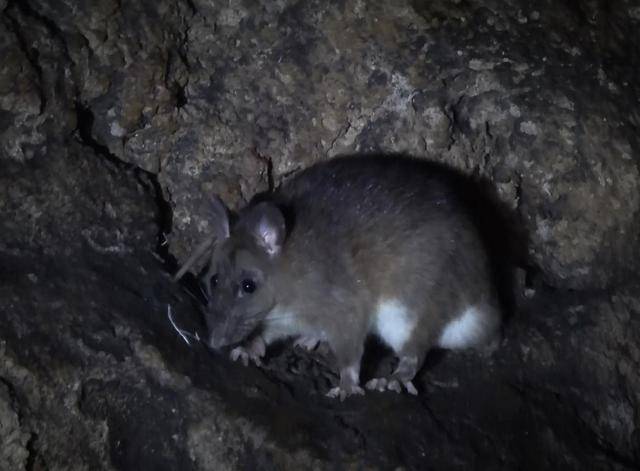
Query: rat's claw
[
  {"x": 394, "y": 385},
  {"x": 239, "y": 353},
  {"x": 411, "y": 389},
  {"x": 253, "y": 352},
  {"x": 334, "y": 392}
]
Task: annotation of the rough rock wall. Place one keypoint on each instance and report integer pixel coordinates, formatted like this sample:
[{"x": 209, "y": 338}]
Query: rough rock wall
[
  {"x": 93, "y": 377},
  {"x": 112, "y": 113},
  {"x": 228, "y": 97}
]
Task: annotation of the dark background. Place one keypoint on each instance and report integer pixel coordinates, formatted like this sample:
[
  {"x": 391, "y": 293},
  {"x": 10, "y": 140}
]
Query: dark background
[{"x": 118, "y": 119}]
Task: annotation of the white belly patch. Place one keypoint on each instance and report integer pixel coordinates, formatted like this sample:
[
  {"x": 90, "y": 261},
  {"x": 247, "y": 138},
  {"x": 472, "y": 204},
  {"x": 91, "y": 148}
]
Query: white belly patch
[
  {"x": 393, "y": 324},
  {"x": 463, "y": 331}
]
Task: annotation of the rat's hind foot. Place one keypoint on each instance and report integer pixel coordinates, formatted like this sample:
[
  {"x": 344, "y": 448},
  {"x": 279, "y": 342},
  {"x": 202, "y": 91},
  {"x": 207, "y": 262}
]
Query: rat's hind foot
[
  {"x": 349, "y": 384},
  {"x": 253, "y": 351},
  {"x": 391, "y": 384},
  {"x": 402, "y": 376}
]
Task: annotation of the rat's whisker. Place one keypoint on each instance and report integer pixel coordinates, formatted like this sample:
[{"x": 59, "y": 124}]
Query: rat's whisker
[
  {"x": 197, "y": 253},
  {"x": 183, "y": 333}
]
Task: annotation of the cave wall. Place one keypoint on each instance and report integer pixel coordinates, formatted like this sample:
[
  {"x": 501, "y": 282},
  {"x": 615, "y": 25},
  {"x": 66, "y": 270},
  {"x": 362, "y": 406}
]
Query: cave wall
[
  {"x": 211, "y": 97},
  {"x": 118, "y": 120}
]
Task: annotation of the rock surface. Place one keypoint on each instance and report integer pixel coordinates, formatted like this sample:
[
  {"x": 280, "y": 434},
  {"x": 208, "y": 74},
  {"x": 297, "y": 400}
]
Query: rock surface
[
  {"x": 119, "y": 119},
  {"x": 94, "y": 377},
  {"x": 228, "y": 98}
]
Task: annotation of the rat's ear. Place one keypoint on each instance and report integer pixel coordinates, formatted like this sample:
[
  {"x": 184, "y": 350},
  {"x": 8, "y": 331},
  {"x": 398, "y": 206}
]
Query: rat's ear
[
  {"x": 265, "y": 223},
  {"x": 220, "y": 217}
]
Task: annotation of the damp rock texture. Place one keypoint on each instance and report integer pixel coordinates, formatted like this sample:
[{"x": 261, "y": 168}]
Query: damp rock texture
[{"x": 119, "y": 120}]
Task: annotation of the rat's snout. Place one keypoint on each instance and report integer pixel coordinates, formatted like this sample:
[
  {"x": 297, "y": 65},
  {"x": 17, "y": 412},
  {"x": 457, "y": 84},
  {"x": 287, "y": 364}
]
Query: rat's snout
[
  {"x": 216, "y": 342},
  {"x": 219, "y": 336},
  {"x": 224, "y": 333}
]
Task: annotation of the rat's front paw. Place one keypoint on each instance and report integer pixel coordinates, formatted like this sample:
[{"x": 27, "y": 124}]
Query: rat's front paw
[
  {"x": 254, "y": 351},
  {"x": 343, "y": 392},
  {"x": 240, "y": 353}
]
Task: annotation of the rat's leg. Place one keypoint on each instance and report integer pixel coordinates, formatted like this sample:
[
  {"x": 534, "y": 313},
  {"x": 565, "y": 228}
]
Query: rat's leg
[
  {"x": 404, "y": 373},
  {"x": 348, "y": 355},
  {"x": 349, "y": 382},
  {"x": 254, "y": 351}
]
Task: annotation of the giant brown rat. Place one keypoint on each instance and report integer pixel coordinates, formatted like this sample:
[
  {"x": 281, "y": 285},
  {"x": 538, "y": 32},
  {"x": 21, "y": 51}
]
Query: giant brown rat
[{"x": 349, "y": 247}]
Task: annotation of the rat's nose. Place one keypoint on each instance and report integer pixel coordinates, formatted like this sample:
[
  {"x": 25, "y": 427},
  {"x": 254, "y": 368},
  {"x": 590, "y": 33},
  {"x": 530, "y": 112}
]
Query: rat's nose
[
  {"x": 218, "y": 338},
  {"x": 216, "y": 341}
]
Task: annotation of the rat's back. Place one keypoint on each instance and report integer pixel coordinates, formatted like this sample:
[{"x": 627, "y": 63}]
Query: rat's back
[
  {"x": 366, "y": 190},
  {"x": 392, "y": 222}
]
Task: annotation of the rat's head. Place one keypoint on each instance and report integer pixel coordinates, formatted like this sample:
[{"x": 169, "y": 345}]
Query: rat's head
[{"x": 239, "y": 280}]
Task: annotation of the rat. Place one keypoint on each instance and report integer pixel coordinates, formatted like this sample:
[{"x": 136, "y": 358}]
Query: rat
[{"x": 346, "y": 248}]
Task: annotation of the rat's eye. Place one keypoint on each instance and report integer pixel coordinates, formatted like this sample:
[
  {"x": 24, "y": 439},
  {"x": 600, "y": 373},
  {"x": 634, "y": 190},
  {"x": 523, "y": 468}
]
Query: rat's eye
[
  {"x": 213, "y": 282},
  {"x": 248, "y": 285}
]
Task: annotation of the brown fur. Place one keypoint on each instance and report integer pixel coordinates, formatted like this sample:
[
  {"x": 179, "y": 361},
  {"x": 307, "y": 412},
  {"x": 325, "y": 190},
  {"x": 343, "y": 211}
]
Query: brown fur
[{"x": 337, "y": 239}]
